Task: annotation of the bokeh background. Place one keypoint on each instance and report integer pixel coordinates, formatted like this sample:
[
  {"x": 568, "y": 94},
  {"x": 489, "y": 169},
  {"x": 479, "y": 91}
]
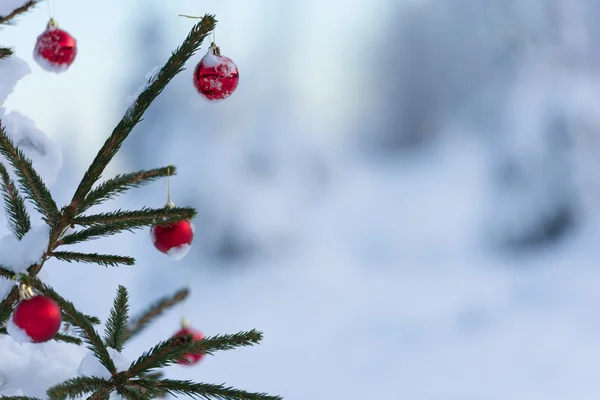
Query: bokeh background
[{"x": 403, "y": 195}]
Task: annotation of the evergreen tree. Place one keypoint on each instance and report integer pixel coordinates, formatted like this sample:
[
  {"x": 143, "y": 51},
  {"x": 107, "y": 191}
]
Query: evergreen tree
[{"x": 74, "y": 223}]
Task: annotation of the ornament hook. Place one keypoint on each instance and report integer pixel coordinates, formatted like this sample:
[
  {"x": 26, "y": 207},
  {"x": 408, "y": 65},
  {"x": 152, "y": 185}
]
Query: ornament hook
[
  {"x": 52, "y": 24},
  {"x": 169, "y": 203},
  {"x": 215, "y": 50},
  {"x": 25, "y": 292}
]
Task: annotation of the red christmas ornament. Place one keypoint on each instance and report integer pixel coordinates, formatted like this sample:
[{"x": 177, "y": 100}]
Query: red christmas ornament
[
  {"x": 55, "y": 49},
  {"x": 173, "y": 239},
  {"x": 216, "y": 76},
  {"x": 38, "y": 317},
  {"x": 190, "y": 358}
]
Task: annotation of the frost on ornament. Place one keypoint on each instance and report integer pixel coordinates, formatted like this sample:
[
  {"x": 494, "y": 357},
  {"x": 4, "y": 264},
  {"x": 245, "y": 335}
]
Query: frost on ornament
[
  {"x": 12, "y": 69},
  {"x": 42, "y": 150},
  {"x": 17, "y": 255},
  {"x": 132, "y": 100},
  {"x": 216, "y": 76},
  {"x": 55, "y": 50},
  {"x": 91, "y": 366},
  {"x": 174, "y": 240}
]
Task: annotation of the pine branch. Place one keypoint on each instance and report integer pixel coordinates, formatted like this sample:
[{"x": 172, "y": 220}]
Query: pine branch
[
  {"x": 115, "y": 332},
  {"x": 5, "y": 313},
  {"x": 120, "y": 184},
  {"x": 92, "y": 233},
  {"x": 68, "y": 320},
  {"x": 5, "y": 20},
  {"x": 171, "y": 350},
  {"x": 18, "y": 398},
  {"x": 76, "y": 387},
  {"x": 102, "y": 259},
  {"x": 133, "y": 116},
  {"x": 202, "y": 390},
  {"x": 90, "y": 336},
  {"x": 137, "y": 219},
  {"x": 155, "y": 310},
  {"x": 15, "y": 205},
  {"x": 133, "y": 393},
  {"x": 61, "y": 337},
  {"x": 5, "y": 52},
  {"x": 32, "y": 184},
  {"x": 7, "y": 273},
  {"x": 102, "y": 394}
]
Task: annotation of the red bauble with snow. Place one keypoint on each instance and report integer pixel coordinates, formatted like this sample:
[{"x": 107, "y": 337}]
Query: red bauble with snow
[
  {"x": 190, "y": 358},
  {"x": 173, "y": 239},
  {"x": 216, "y": 76},
  {"x": 55, "y": 49},
  {"x": 36, "y": 320}
]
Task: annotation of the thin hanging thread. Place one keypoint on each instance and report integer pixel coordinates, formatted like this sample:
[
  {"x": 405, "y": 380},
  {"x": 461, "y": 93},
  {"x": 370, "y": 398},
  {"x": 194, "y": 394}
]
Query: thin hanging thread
[
  {"x": 51, "y": 8},
  {"x": 168, "y": 184}
]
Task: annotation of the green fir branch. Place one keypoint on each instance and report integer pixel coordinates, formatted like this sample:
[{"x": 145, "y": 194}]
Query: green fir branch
[
  {"x": 202, "y": 390},
  {"x": 5, "y": 313},
  {"x": 32, "y": 184},
  {"x": 134, "y": 393},
  {"x": 137, "y": 219},
  {"x": 7, "y": 19},
  {"x": 89, "y": 334},
  {"x": 115, "y": 332},
  {"x": 106, "y": 260},
  {"x": 102, "y": 394},
  {"x": 93, "y": 320},
  {"x": 15, "y": 205},
  {"x": 171, "y": 350},
  {"x": 6, "y": 273},
  {"x": 121, "y": 183},
  {"x": 18, "y": 398},
  {"x": 76, "y": 387},
  {"x": 139, "y": 323},
  {"x": 133, "y": 116},
  {"x": 163, "y": 354},
  {"x": 61, "y": 337},
  {"x": 101, "y": 225},
  {"x": 5, "y": 52},
  {"x": 94, "y": 232}
]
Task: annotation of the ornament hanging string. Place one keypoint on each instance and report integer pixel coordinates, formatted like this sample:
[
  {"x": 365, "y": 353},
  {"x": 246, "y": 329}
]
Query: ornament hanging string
[{"x": 51, "y": 8}]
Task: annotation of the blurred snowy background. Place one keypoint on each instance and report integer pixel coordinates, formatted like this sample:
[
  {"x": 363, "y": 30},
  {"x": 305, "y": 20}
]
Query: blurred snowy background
[{"x": 403, "y": 195}]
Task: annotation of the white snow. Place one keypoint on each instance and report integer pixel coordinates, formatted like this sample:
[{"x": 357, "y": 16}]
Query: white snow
[
  {"x": 47, "y": 65},
  {"x": 17, "y": 255},
  {"x": 12, "y": 69},
  {"x": 31, "y": 368},
  {"x": 178, "y": 253},
  {"x": 43, "y": 151},
  {"x": 131, "y": 100},
  {"x": 91, "y": 366},
  {"x": 210, "y": 60},
  {"x": 19, "y": 335}
]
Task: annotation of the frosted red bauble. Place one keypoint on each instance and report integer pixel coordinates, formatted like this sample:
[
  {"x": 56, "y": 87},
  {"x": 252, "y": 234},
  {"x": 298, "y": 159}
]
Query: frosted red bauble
[
  {"x": 190, "y": 358},
  {"x": 55, "y": 49},
  {"x": 173, "y": 239},
  {"x": 216, "y": 76},
  {"x": 39, "y": 317}
]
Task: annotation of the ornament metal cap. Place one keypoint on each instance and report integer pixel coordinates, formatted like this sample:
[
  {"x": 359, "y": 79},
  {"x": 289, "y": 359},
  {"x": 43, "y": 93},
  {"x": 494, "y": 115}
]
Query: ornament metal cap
[
  {"x": 216, "y": 50},
  {"x": 52, "y": 24},
  {"x": 25, "y": 292},
  {"x": 185, "y": 323},
  {"x": 169, "y": 204}
]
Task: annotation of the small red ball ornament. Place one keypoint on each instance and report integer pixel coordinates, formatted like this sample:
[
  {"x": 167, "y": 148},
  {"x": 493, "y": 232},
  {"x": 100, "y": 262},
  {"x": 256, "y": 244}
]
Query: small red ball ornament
[
  {"x": 38, "y": 317},
  {"x": 55, "y": 49},
  {"x": 190, "y": 358},
  {"x": 216, "y": 76},
  {"x": 173, "y": 239}
]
